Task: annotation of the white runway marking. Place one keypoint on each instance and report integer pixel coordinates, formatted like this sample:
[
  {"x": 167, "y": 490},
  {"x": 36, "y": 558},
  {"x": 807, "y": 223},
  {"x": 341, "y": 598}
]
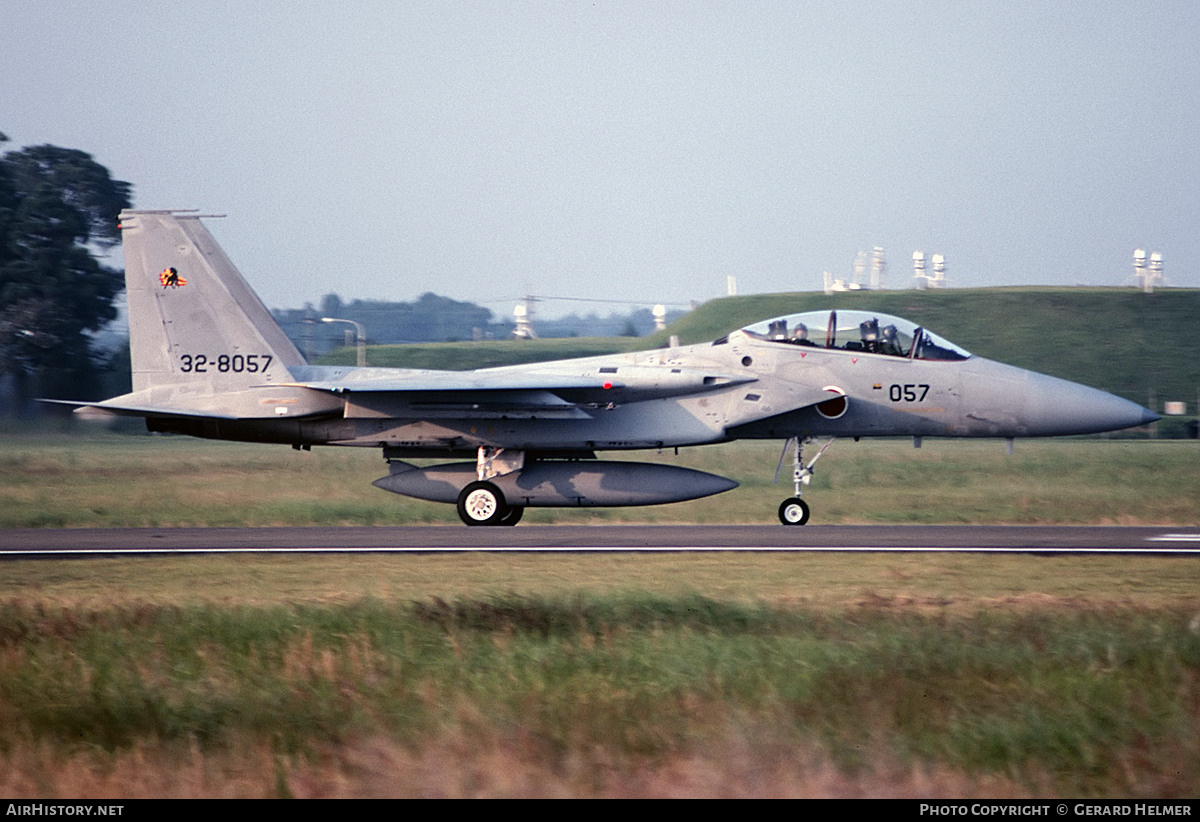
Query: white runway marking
[{"x": 600, "y": 549}]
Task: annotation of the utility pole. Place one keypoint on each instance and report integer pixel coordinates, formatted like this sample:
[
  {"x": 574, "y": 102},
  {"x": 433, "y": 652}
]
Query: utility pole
[{"x": 360, "y": 333}]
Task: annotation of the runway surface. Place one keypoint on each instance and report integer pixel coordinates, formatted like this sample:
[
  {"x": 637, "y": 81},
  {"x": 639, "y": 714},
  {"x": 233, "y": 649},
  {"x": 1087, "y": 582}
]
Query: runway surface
[{"x": 31, "y": 543}]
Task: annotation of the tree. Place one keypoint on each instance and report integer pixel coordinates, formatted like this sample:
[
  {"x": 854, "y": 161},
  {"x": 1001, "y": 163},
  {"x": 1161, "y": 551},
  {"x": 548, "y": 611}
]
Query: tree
[{"x": 58, "y": 210}]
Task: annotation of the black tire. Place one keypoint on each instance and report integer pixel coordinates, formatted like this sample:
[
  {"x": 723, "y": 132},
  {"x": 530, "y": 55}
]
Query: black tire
[
  {"x": 793, "y": 511},
  {"x": 482, "y": 503},
  {"x": 513, "y": 516}
]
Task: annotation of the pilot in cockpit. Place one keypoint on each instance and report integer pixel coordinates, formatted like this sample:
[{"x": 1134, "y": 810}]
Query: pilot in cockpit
[
  {"x": 800, "y": 335},
  {"x": 869, "y": 331},
  {"x": 889, "y": 342},
  {"x": 879, "y": 341}
]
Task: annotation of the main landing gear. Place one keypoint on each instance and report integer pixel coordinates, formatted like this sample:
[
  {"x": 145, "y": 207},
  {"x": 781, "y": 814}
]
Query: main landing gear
[
  {"x": 794, "y": 510},
  {"x": 481, "y": 502}
]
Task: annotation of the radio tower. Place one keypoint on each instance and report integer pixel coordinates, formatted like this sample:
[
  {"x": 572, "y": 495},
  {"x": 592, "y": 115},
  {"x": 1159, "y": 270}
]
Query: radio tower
[
  {"x": 939, "y": 271},
  {"x": 919, "y": 269},
  {"x": 1147, "y": 275},
  {"x": 878, "y": 269}
]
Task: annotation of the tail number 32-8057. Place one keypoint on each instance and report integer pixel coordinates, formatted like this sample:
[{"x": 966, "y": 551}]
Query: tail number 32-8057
[{"x": 225, "y": 363}]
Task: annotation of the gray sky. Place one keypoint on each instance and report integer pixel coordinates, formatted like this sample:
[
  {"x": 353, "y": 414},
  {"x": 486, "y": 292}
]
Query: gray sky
[{"x": 631, "y": 150}]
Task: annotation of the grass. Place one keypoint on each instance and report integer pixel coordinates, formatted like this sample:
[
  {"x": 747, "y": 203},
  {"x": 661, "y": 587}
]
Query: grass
[
  {"x": 108, "y": 480},
  {"x": 948, "y": 583},
  {"x": 599, "y": 695}
]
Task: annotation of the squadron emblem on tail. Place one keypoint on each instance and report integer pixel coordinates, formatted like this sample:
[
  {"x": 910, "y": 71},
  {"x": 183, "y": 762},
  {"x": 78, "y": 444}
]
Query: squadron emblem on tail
[{"x": 170, "y": 277}]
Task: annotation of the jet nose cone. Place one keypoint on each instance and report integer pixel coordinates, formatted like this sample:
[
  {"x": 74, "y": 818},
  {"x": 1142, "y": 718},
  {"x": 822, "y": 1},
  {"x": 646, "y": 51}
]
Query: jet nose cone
[{"x": 1061, "y": 407}]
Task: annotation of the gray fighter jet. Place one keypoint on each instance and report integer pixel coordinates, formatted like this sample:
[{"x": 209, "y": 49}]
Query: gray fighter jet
[{"x": 210, "y": 361}]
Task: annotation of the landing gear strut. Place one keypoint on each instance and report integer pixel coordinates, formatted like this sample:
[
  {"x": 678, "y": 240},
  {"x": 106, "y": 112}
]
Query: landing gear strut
[{"x": 794, "y": 510}]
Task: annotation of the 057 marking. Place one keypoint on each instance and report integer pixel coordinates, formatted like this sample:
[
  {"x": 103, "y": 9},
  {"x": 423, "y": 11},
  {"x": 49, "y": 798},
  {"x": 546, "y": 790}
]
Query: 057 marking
[
  {"x": 909, "y": 392},
  {"x": 225, "y": 363}
]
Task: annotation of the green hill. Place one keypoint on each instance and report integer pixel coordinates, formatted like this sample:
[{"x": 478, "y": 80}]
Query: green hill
[
  {"x": 464, "y": 356},
  {"x": 1137, "y": 345}
]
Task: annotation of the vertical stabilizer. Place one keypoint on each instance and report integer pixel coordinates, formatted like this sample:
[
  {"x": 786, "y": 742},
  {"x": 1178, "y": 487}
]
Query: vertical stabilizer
[{"x": 193, "y": 319}]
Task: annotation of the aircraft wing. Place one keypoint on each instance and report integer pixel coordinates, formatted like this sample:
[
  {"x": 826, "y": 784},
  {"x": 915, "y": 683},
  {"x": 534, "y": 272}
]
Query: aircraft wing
[
  {"x": 524, "y": 386},
  {"x": 444, "y": 381}
]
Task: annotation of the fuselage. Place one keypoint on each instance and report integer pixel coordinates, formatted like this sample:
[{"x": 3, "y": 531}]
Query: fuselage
[{"x": 746, "y": 386}]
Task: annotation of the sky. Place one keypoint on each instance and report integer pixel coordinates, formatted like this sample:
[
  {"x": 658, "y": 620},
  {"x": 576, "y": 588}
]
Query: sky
[{"x": 631, "y": 151}]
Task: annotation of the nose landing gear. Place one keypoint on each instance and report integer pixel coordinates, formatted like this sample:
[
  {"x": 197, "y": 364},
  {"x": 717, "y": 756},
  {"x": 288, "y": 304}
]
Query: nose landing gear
[{"x": 794, "y": 510}]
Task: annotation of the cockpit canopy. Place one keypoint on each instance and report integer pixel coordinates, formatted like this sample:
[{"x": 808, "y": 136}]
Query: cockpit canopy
[{"x": 866, "y": 331}]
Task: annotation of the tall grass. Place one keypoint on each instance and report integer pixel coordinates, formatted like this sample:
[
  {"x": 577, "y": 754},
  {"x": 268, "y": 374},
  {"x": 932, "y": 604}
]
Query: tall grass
[{"x": 603, "y": 690}]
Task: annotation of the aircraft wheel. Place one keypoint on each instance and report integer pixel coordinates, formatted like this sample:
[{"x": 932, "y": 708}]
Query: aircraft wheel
[
  {"x": 793, "y": 511},
  {"x": 482, "y": 503},
  {"x": 513, "y": 516}
]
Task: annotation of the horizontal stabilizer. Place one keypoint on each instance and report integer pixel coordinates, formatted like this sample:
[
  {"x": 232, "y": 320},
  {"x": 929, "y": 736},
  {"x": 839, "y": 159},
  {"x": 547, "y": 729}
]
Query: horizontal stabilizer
[{"x": 136, "y": 411}]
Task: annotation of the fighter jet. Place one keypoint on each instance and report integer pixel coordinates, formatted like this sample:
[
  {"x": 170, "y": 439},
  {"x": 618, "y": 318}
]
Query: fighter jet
[{"x": 210, "y": 361}]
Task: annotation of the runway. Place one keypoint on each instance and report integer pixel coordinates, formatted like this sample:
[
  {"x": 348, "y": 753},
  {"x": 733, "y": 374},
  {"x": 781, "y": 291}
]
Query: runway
[{"x": 41, "y": 543}]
